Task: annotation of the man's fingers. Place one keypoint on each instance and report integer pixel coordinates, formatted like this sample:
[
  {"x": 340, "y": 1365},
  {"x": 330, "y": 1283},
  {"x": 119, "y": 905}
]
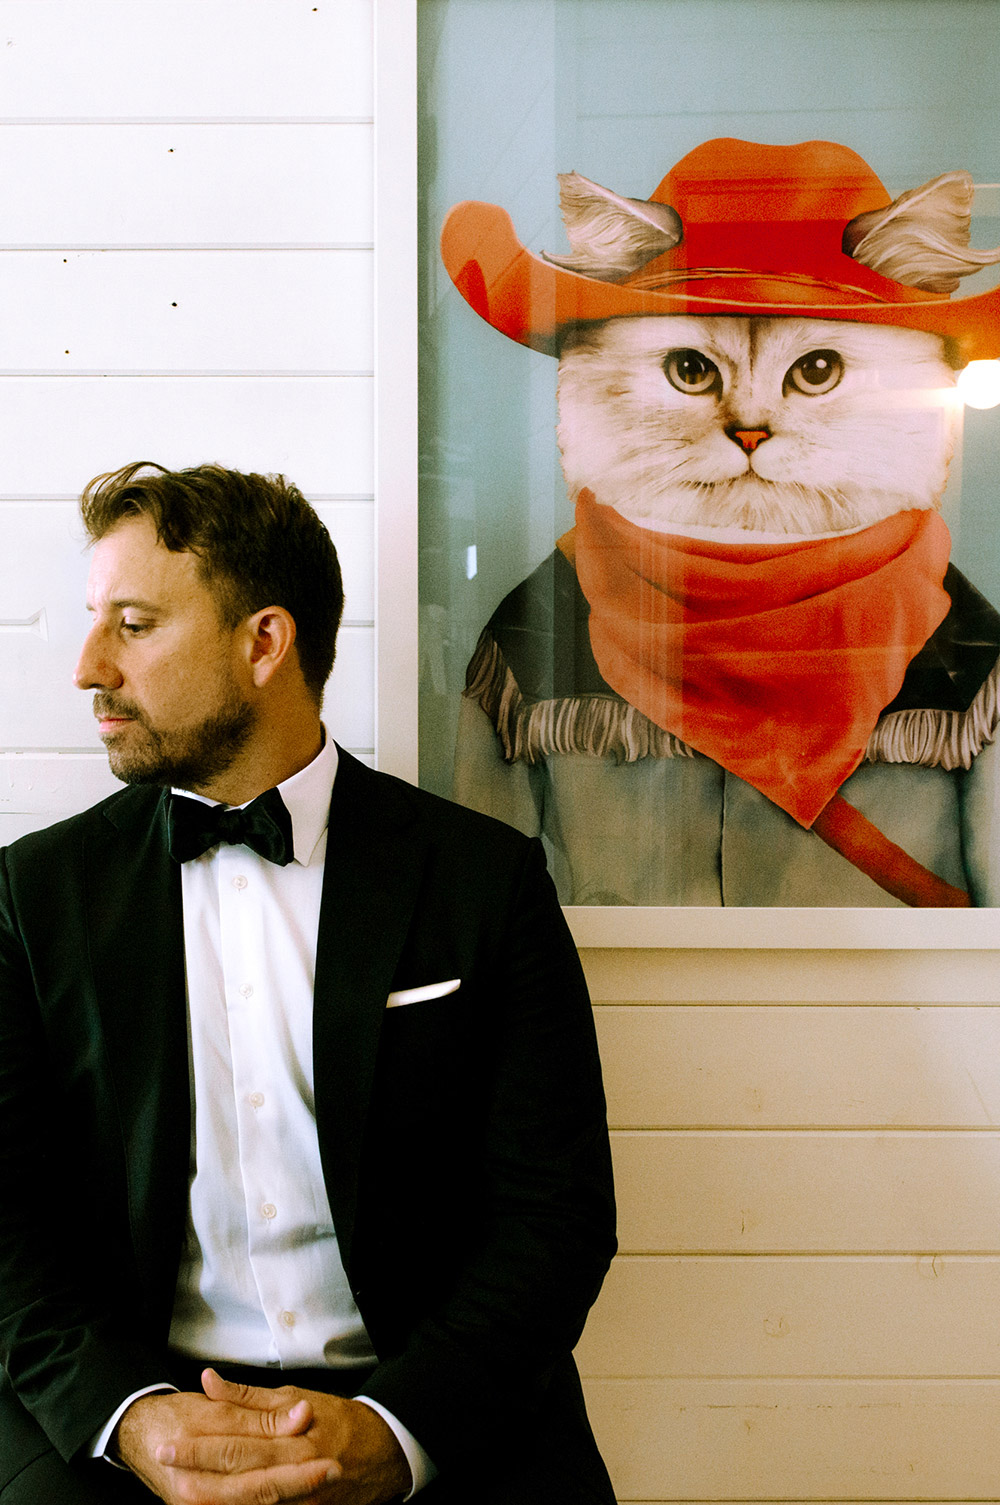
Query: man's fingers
[
  {"x": 275, "y": 1413},
  {"x": 235, "y": 1455},
  {"x": 258, "y": 1487},
  {"x": 258, "y": 1398}
]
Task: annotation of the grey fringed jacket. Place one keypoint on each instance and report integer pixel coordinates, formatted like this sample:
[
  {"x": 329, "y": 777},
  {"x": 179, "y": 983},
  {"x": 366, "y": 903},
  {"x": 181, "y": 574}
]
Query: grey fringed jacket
[{"x": 632, "y": 815}]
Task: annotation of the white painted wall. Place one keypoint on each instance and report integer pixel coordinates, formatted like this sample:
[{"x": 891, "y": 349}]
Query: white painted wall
[{"x": 806, "y": 1304}]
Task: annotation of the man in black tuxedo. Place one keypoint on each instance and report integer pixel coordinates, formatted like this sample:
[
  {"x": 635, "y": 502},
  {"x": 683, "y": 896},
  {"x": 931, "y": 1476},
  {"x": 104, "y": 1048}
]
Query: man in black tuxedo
[{"x": 299, "y": 1093}]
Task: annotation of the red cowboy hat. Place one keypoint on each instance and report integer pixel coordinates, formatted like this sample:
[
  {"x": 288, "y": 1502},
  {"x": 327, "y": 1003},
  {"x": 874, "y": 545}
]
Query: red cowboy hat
[{"x": 762, "y": 235}]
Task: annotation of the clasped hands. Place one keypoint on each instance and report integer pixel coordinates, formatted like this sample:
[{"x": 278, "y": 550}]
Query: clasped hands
[{"x": 247, "y": 1445}]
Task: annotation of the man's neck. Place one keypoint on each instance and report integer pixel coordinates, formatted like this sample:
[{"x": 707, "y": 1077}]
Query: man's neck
[{"x": 261, "y": 767}]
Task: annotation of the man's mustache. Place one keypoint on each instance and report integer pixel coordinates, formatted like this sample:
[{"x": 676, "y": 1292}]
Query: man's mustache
[{"x": 108, "y": 705}]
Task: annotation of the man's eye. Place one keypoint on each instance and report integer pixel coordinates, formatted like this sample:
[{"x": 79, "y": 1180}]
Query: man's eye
[
  {"x": 132, "y": 628},
  {"x": 815, "y": 373},
  {"x": 691, "y": 372}
]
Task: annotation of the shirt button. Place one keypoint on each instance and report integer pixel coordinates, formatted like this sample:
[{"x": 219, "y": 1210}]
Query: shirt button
[
  {"x": 288, "y": 1319},
  {"x": 239, "y": 881},
  {"x": 268, "y": 1210},
  {"x": 256, "y": 1099},
  {"x": 247, "y": 990}
]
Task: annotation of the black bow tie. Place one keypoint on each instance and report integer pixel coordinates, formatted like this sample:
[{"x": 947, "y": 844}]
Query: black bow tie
[{"x": 264, "y": 825}]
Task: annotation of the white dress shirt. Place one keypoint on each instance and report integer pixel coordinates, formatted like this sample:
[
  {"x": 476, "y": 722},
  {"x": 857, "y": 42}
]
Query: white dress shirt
[{"x": 261, "y": 1278}]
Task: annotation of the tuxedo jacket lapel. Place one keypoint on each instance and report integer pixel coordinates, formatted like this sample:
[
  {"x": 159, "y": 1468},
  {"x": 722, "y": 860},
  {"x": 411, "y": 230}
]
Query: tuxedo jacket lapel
[
  {"x": 374, "y": 860},
  {"x": 136, "y": 946}
]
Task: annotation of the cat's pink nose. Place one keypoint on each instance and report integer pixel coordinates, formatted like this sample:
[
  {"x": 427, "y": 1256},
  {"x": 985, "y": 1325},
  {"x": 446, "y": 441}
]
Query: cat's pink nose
[{"x": 750, "y": 438}]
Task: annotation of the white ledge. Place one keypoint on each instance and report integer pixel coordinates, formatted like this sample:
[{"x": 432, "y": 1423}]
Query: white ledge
[{"x": 799, "y": 929}]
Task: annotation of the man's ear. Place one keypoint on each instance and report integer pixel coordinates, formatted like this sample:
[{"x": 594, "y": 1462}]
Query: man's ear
[{"x": 271, "y": 635}]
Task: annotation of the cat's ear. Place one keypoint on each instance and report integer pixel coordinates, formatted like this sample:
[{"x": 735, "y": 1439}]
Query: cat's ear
[
  {"x": 922, "y": 238},
  {"x": 611, "y": 236}
]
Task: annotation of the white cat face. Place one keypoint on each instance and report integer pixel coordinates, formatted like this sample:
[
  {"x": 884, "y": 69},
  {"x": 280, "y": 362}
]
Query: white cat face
[{"x": 788, "y": 426}]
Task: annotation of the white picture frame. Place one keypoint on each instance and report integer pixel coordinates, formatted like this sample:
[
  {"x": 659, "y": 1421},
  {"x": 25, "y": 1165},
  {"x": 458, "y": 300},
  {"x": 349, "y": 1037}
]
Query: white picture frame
[{"x": 397, "y": 615}]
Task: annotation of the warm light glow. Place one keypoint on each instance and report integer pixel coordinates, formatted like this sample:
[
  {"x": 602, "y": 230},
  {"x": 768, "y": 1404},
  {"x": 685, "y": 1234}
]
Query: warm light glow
[{"x": 979, "y": 384}]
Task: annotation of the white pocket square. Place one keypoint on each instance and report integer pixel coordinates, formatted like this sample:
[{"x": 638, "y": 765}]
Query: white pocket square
[{"x": 420, "y": 995}]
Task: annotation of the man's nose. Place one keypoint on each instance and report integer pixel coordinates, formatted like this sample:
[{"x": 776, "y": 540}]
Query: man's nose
[{"x": 95, "y": 669}]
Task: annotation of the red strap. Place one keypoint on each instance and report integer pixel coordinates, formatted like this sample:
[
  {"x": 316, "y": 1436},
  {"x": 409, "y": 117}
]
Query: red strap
[{"x": 848, "y": 832}]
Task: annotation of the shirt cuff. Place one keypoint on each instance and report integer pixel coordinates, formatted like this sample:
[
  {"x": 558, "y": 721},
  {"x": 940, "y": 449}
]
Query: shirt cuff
[
  {"x": 99, "y": 1444},
  {"x": 422, "y": 1470}
]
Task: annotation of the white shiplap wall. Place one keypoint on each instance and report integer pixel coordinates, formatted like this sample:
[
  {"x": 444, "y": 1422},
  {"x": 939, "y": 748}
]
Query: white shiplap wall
[
  {"x": 185, "y": 275},
  {"x": 806, "y": 1304}
]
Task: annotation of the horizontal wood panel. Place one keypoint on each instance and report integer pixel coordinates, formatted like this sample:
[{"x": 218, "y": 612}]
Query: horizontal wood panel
[
  {"x": 734, "y": 928},
  {"x": 183, "y": 311},
  {"x": 349, "y": 702},
  {"x": 53, "y": 786},
  {"x": 58, "y": 432},
  {"x": 795, "y": 1440},
  {"x": 190, "y": 57},
  {"x": 757, "y": 1192},
  {"x": 185, "y": 185},
  {"x": 351, "y": 525},
  {"x": 626, "y": 975},
  {"x": 852, "y": 1317},
  {"x": 43, "y": 621},
  {"x": 761, "y": 1066}
]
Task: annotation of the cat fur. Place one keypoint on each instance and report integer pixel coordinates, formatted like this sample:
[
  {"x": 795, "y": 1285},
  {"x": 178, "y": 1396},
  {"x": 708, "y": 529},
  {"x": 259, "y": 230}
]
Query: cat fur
[{"x": 879, "y": 442}]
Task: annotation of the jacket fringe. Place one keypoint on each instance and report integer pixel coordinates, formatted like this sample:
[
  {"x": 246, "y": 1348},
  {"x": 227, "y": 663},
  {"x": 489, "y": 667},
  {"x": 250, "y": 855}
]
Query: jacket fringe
[
  {"x": 938, "y": 739},
  {"x": 605, "y": 726}
]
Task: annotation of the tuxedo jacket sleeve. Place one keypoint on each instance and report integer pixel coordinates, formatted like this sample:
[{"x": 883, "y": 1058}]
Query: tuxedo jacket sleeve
[
  {"x": 463, "y": 1137},
  {"x": 92, "y": 1071}
]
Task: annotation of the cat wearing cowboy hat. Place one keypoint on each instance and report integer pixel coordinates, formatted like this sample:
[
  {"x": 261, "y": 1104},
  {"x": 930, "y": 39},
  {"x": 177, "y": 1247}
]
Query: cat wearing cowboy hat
[{"x": 749, "y": 674}]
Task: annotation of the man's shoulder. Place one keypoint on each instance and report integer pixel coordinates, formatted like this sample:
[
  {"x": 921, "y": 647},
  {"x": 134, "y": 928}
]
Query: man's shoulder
[
  {"x": 133, "y": 805},
  {"x": 440, "y": 819}
]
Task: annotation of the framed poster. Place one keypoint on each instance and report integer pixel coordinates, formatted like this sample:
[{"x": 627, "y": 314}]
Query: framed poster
[{"x": 707, "y": 545}]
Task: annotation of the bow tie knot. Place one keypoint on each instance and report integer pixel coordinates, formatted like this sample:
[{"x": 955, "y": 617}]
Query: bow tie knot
[{"x": 264, "y": 826}]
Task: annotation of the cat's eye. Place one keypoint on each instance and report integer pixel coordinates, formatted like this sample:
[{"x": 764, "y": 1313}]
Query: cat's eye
[
  {"x": 815, "y": 373},
  {"x": 691, "y": 372}
]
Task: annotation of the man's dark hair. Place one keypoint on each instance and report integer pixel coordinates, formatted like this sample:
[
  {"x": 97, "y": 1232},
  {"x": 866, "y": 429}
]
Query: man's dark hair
[{"x": 258, "y": 541}]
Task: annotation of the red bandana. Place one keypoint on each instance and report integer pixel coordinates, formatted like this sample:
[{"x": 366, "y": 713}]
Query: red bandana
[{"x": 773, "y": 659}]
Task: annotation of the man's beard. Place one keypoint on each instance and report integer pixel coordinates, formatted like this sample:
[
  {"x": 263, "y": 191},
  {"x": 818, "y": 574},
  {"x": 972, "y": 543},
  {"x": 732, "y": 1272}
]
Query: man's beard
[{"x": 186, "y": 759}]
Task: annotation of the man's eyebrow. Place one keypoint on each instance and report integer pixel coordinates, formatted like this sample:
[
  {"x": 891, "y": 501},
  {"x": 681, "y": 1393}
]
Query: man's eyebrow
[{"x": 136, "y": 602}]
